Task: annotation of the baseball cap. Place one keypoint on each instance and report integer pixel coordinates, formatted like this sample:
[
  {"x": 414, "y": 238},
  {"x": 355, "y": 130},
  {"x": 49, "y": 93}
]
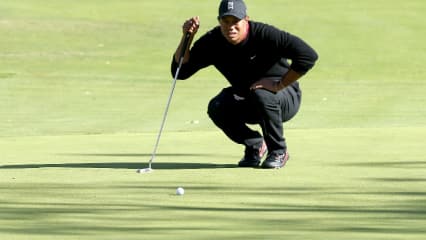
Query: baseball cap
[{"x": 236, "y": 8}]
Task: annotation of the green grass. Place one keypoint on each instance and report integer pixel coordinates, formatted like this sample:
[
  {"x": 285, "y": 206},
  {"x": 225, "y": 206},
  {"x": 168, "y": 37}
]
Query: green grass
[
  {"x": 86, "y": 187},
  {"x": 83, "y": 85}
]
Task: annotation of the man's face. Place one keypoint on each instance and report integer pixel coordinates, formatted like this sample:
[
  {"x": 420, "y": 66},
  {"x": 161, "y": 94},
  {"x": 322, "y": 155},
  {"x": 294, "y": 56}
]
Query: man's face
[{"x": 234, "y": 29}]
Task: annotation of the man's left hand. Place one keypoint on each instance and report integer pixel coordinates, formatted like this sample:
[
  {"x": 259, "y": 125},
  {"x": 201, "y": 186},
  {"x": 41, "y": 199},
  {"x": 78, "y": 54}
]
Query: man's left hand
[
  {"x": 273, "y": 85},
  {"x": 266, "y": 83}
]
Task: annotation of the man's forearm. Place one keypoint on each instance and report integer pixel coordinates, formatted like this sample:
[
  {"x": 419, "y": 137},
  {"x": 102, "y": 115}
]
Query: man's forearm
[
  {"x": 179, "y": 49},
  {"x": 290, "y": 77}
]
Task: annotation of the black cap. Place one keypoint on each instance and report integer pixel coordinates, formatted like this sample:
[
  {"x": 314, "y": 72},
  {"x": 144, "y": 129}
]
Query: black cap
[{"x": 236, "y": 8}]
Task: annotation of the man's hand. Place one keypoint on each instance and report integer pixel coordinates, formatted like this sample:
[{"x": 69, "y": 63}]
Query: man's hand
[
  {"x": 191, "y": 25},
  {"x": 266, "y": 83},
  {"x": 273, "y": 85}
]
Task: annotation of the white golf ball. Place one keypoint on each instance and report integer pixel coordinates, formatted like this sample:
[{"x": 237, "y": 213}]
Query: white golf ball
[
  {"x": 144, "y": 170},
  {"x": 180, "y": 191}
]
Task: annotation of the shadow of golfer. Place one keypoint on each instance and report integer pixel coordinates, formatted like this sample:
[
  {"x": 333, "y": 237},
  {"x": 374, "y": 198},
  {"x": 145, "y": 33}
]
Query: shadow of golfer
[
  {"x": 121, "y": 165},
  {"x": 127, "y": 165}
]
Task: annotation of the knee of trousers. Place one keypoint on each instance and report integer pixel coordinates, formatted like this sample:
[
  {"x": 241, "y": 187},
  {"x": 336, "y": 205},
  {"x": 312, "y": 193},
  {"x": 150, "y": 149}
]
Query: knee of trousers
[{"x": 214, "y": 109}]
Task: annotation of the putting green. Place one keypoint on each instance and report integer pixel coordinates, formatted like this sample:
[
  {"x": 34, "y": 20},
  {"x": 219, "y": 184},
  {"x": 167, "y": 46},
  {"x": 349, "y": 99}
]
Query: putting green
[{"x": 86, "y": 186}]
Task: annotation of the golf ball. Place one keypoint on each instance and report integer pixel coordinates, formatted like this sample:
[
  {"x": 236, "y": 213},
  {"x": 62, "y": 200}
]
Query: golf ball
[
  {"x": 180, "y": 191},
  {"x": 144, "y": 170}
]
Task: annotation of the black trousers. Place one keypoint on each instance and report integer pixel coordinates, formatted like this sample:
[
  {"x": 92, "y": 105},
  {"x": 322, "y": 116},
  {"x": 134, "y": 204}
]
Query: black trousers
[{"x": 232, "y": 113}]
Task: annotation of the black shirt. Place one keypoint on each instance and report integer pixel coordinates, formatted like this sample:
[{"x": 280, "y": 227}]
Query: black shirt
[{"x": 265, "y": 53}]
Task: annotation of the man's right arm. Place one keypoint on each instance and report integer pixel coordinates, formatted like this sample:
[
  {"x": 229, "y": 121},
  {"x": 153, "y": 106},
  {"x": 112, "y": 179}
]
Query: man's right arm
[
  {"x": 196, "y": 57},
  {"x": 190, "y": 26}
]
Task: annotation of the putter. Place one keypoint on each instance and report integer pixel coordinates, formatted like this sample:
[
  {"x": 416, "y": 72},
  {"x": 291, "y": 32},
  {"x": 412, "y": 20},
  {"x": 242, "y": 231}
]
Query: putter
[{"x": 181, "y": 57}]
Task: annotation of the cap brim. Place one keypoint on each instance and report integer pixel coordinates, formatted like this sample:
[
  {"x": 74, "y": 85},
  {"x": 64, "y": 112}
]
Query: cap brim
[{"x": 231, "y": 14}]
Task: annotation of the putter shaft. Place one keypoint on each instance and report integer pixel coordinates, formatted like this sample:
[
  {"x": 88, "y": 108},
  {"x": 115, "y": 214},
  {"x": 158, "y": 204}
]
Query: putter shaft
[{"x": 182, "y": 55}]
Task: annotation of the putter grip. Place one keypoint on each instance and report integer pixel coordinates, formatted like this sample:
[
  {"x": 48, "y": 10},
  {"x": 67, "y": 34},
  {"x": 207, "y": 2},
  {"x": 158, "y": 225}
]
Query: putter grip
[{"x": 184, "y": 46}]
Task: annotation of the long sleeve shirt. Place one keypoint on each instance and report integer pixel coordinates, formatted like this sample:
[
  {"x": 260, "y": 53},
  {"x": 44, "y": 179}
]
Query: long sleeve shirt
[{"x": 264, "y": 53}]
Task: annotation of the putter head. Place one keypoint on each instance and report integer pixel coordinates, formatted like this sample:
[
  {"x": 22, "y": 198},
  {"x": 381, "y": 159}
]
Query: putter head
[{"x": 144, "y": 170}]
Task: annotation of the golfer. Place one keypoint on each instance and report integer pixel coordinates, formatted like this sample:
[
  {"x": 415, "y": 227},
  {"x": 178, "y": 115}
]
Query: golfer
[{"x": 262, "y": 65}]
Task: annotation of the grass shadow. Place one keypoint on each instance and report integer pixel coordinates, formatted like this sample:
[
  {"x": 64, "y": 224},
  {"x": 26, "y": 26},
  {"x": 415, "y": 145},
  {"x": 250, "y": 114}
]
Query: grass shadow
[
  {"x": 142, "y": 155},
  {"x": 121, "y": 165},
  {"x": 128, "y": 165},
  {"x": 396, "y": 164}
]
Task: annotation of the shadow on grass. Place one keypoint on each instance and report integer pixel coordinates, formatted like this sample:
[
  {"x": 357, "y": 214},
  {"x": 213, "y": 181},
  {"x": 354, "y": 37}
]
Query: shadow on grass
[
  {"x": 396, "y": 164},
  {"x": 142, "y": 163},
  {"x": 118, "y": 217},
  {"x": 148, "y": 155},
  {"x": 121, "y": 165},
  {"x": 398, "y": 179}
]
